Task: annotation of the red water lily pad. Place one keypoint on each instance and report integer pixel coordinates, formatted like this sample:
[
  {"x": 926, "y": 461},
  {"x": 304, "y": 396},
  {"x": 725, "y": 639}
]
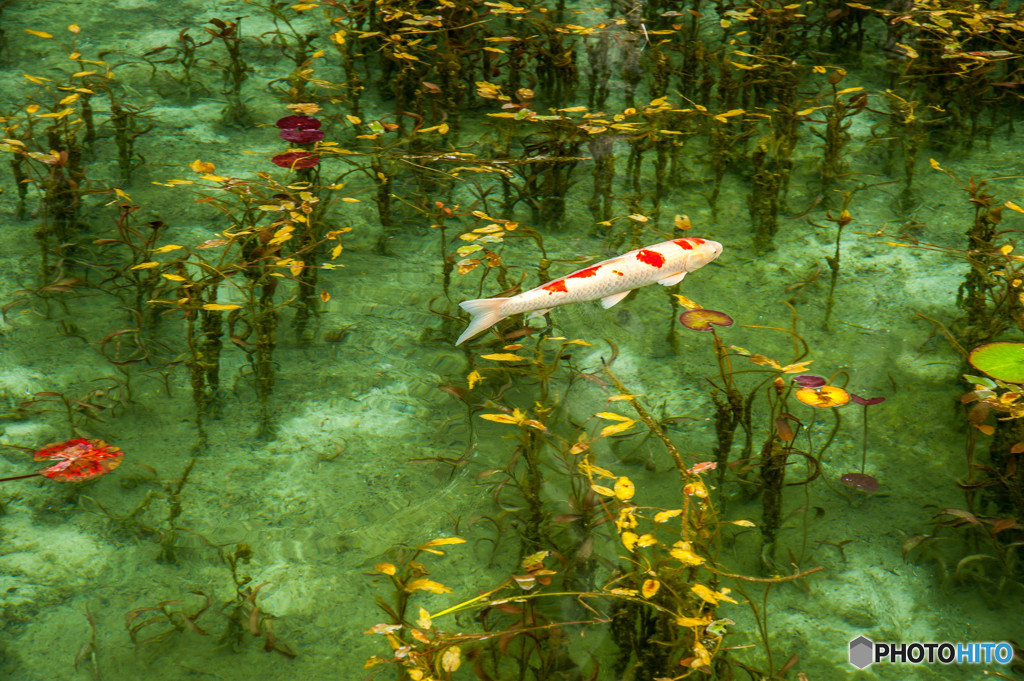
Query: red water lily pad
[
  {"x": 860, "y": 481},
  {"x": 302, "y": 135},
  {"x": 702, "y": 320},
  {"x": 79, "y": 459}
]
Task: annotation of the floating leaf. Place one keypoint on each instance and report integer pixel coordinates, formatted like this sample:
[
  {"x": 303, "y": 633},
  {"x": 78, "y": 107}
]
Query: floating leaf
[
  {"x": 860, "y": 481},
  {"x": 702, "y": 320},
  {"x": 503, "y": 357},
  {"x": 823, "y": 397},
  {"x": 1003, "y": 361}
]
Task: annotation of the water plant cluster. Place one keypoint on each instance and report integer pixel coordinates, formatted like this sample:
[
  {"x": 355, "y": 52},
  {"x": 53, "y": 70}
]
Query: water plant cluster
[{"x": 619, "y": 527}]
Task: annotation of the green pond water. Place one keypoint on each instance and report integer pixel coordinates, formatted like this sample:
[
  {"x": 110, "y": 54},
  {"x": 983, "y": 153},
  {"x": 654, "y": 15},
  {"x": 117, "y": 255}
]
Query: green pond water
[{"x": 373, "y": 444}]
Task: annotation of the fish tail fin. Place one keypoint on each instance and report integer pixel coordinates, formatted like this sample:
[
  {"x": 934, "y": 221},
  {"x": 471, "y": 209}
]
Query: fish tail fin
[{"x": 486, "y": 312}]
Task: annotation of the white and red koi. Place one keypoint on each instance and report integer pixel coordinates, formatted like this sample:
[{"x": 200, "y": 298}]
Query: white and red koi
[{"x": 610, "y": 281}]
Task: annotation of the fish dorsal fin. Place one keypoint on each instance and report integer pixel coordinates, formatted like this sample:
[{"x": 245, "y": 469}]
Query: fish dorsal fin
[
  {"x": 614, "y": 298},
  {"x": 672, "y": 280}
]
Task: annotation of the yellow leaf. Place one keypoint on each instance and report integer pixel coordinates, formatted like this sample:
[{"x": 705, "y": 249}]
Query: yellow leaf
[
  {"x": 442, "y": 541},
  {"x": 336, "y": 251},
  {"x": 686, "y": 302},
  {"x": 503, "y": 357},
  {"x": 502, "y": 418},
  {"x": 424, "y": 621},
  {"x": 624, "y": 488},
  {"x": 665, "y": 516},
  {"x": 474, "y": 378},
  {"x": 174, "y": 277},
  {"x": 38, "y": 34},
  {"x": 167, "y": 249},
  {"x": 385, "y": 568},
  {"x": 443, "y": 129},
  {"x": 325, "y": 296},
  {"x": 608, "y": 431},
  {"x": 910, "y": 51},
  {"x": 201, "y": 166},
  {"x": 349, "y": 199},
  {"x": 220, "y": 307},
  {"x": 354, "y": 120},
  {"x": 74, "y": 28},
  {"x": 424, "y": 584},
  {"x": 603, "y": 491},
  {"x": 646, "y": 540},
  {"x": 639, "y": 218},
  {"x": 650, "y": 587},
  {"x": 629, "y": 540},
  {"x": 683, "y": 552},
  {"x": 296, "y": 269},
  {"x": 451, "y": 658},
  {"x": 612, "y": 416},
  {"x": 693, "y": 621},
  {"x": 709, "y": 596},
  {"x": 1013, "y": 206},
  {"x": 145, "y": 265},
  {"x": 934, "y": 163},
  {"x": 743, "y": 523},
  {"x": 619, "y": 398}
]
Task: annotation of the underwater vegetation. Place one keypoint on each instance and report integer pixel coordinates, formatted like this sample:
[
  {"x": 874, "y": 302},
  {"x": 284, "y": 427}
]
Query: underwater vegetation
[{"x": 329, "y": 271}]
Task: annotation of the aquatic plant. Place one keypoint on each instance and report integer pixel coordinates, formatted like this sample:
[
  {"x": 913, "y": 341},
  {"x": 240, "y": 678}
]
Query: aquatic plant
[
  {"x": 235, "y": 69},
  {"x": 77, "y": 460},
  {"x": 865, "y": 402}
]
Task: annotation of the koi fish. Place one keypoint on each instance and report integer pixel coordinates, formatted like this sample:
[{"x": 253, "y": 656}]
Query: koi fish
[{"x": 610, "y": 281}]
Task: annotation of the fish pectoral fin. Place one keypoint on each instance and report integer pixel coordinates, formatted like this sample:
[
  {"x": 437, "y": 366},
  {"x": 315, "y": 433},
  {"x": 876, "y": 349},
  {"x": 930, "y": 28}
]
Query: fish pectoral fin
[
  {"x": 538, "y": 313},
  {"x": 673, "y": 280},
  {"x": 614, "y": 298}
]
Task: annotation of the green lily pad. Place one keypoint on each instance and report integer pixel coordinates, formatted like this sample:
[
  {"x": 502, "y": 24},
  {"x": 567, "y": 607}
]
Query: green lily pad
[{"x": 1004, "y": 361}]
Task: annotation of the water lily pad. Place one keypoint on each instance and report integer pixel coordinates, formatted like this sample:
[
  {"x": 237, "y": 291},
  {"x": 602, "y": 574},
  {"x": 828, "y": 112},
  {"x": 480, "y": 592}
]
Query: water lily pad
[
  {"x": 824, "y": 397},
  {"x": 1004, "y": 361},
  {"x": 701, "y": 319}
]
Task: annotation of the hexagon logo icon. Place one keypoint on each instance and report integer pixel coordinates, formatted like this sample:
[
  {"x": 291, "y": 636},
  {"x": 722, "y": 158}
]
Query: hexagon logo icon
[{"x": 862, "y": 651}]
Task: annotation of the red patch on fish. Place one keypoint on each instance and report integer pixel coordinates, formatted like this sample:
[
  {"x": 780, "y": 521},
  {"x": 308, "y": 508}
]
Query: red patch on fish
[
  {"x": 652, "y": 258},
  {"x": 684, "y": 244},
  {"x": 556, "y": 286},
  {"x": 618, "y": 273},
  {"x": 589, "y": 272}
]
